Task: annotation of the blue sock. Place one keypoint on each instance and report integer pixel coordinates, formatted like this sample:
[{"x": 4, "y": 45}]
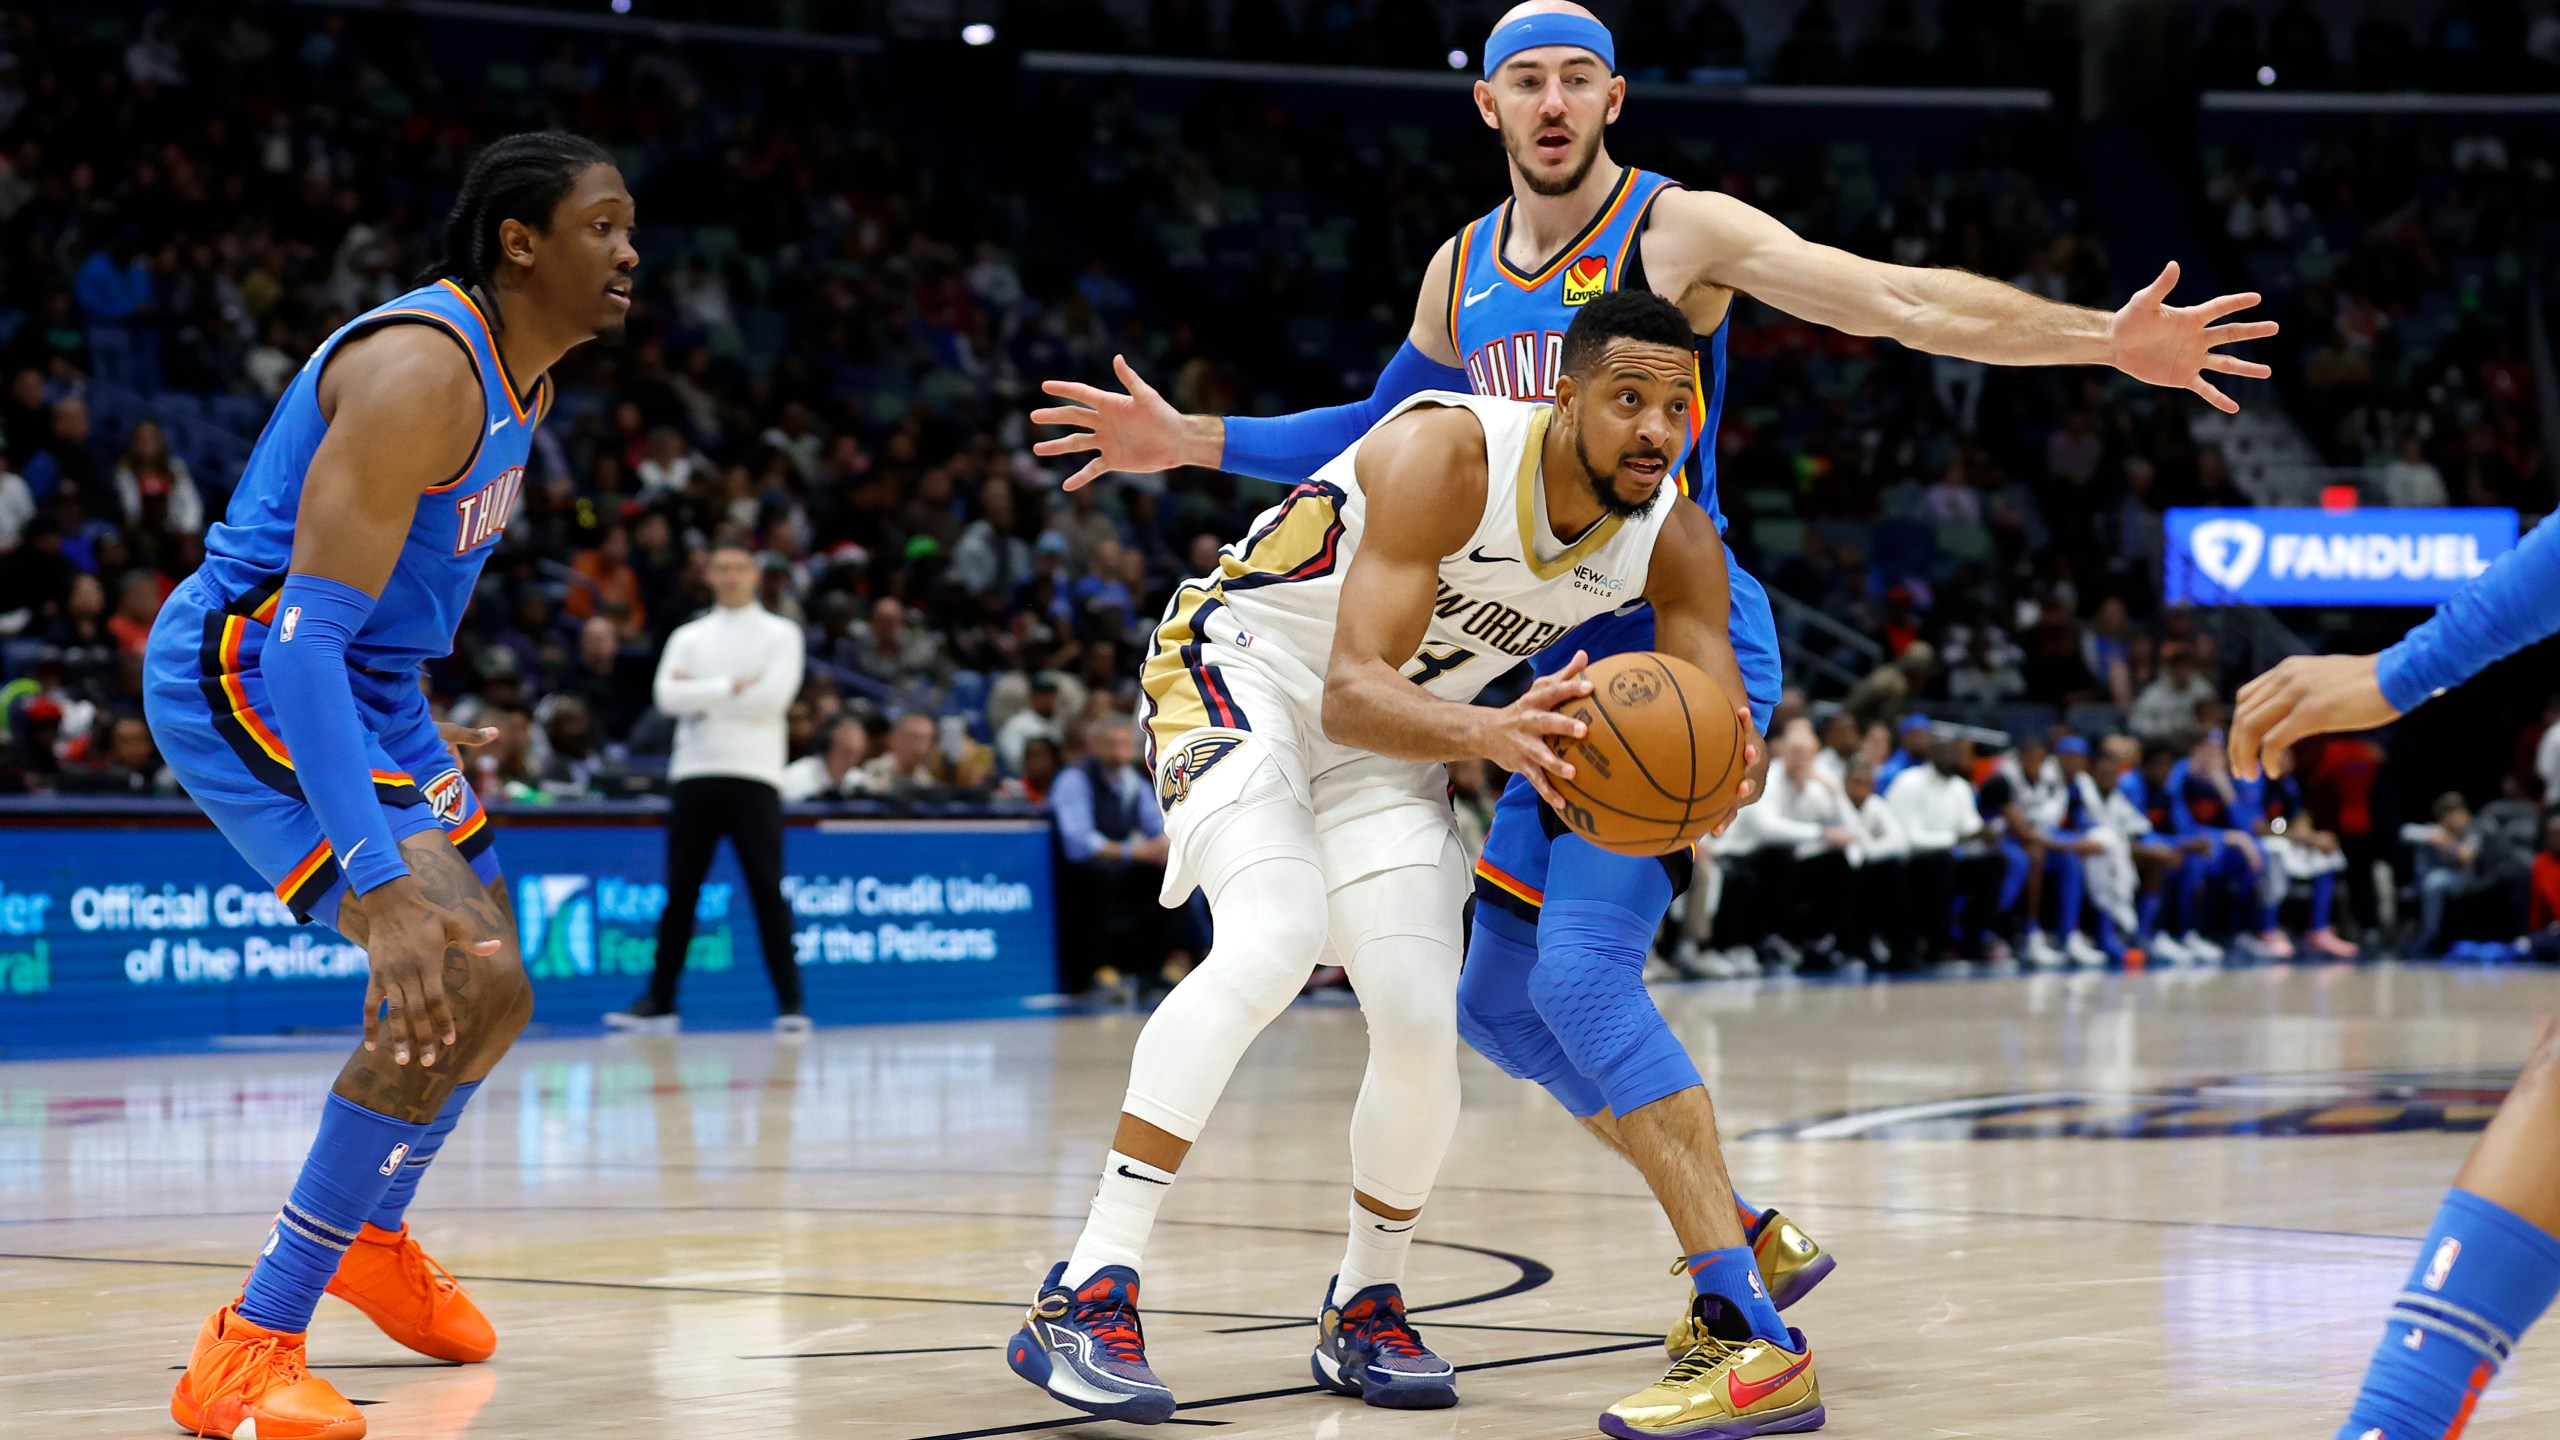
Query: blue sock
[
  {"x": 1751, "y": 1215},
  {"x": 351, "y": 1164},
  {"x": 2324, "y": 899},
  {"x": 2483, "y": 1276},
  {"x": 1733, "y": 1277},
  {"x": 395, "y": 1201},
  {"x": 2147, "y": 916}
]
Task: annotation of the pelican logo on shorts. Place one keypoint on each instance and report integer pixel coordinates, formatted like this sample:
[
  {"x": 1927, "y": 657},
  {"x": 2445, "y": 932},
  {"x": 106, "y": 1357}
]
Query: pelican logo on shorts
[
  {"x": 445, "y": 795},
  {"x": 1634, "y": 687},
  {"x": 1586, "y": 280},
  {"x": 2440, "y": 1269},
  {"x": 391, "y": 1163},
  {"x": 1190, "y": 763}
]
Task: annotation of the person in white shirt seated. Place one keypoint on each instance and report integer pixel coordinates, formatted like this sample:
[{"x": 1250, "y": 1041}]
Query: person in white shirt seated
[
  {"x": 1840, "y": 743},
  {"x": 1955, "y": 877},
  {"x": 1790, "y": 851},
  {"x": 1037, "y": 720},
  {"x": 1881, "y": 919},
  {"x": 834, "y": 773}
]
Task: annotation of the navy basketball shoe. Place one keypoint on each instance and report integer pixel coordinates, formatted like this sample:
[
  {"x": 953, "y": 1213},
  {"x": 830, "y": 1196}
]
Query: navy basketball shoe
[
  {"x": 1084, "y": 1347},
  {"x": 1367, "y": 1348}
]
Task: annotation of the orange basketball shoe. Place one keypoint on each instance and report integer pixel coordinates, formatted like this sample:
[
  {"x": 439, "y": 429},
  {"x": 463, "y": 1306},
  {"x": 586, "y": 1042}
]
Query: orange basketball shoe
[
  {"x": 249, "y": 1383},
  {"x": 415, "y": 1300}
]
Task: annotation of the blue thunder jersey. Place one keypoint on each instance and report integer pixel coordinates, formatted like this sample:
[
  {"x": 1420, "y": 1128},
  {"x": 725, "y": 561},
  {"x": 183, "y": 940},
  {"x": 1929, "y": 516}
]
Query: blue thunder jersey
[
  {"x": 457, "y": 524},
  {"x": 1508, "y": 329}
]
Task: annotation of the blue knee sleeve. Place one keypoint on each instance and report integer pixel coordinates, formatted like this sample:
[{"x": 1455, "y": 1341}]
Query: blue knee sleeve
[
  {"x": 2070, "y": 882},
  {"x": 1588, "y": 986},
  {"x": 1495, "y": 1016}
]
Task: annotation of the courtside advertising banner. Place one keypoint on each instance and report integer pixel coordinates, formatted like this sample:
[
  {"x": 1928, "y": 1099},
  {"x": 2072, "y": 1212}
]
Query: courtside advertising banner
[
  {"x": 2328, "y": 557},
  {"x": 142, "y": 938}
]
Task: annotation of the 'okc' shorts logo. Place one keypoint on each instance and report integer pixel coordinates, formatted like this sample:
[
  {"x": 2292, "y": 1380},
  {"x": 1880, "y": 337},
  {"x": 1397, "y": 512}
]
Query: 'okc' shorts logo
[{"x": 445, "y": 796}]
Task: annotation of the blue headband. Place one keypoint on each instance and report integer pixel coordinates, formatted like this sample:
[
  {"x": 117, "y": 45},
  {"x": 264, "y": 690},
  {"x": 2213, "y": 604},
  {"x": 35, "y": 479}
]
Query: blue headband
[{"x": 1531, "y": 31}]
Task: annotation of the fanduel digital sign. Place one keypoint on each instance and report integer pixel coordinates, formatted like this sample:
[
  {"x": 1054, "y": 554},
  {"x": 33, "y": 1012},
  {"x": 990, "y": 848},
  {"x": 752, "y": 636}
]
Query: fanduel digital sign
[{"x": 2328, "y": 557}]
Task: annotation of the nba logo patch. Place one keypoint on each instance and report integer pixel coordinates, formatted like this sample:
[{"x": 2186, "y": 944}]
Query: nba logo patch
[
  {"x": 1187, "y": 766},
  {"x": 1586, "y": 279},
  {"x": 292, "y": 618},
  {"x": 444, "y": 797},
  {"x": 2440, "y": 1269},
  {"x": 391, "y": 1165}
]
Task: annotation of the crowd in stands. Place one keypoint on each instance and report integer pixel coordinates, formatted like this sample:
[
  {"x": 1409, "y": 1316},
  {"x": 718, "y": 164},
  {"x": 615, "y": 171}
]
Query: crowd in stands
[
  {"x": 1898, "y": 847},
  {"x": 839, "y": 327}
]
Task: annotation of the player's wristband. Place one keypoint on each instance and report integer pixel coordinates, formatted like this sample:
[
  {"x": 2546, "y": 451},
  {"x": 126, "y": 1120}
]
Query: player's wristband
[
  {"x": 1289, "y": 448},
  {"x": 305, "y": 666},
  {"x": 2508, "y": 606}
]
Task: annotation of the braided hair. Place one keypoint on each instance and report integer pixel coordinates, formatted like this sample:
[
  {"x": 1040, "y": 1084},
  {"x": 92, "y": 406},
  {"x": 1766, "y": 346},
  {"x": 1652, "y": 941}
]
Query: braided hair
[{"x": 522, "y": 177}]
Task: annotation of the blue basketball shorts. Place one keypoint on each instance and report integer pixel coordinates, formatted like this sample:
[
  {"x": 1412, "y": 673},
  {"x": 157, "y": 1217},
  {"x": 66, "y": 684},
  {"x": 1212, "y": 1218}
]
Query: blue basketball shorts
[{"x": 210, "y": 714}]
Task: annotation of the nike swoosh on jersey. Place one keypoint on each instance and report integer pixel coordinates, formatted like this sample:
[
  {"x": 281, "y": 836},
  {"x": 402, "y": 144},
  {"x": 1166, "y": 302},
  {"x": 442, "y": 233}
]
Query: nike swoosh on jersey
[
  {"x": 1481, "y": 558},
  {"x": 497, "y": 424},
  {"x": 1480, "y": 294},
  {"x": 1747, "y": 1393}
]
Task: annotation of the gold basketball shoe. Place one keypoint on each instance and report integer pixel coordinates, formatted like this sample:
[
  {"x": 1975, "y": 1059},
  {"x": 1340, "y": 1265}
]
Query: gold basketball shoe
[{"x": 1725, "y": 1390}]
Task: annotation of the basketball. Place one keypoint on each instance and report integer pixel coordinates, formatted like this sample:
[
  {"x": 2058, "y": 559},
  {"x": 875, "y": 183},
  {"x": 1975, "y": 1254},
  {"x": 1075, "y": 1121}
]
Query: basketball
[{"x": 1661, "y": 756}]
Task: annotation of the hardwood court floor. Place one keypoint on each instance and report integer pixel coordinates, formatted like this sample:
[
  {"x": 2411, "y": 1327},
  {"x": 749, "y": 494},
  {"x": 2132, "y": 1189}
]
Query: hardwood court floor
[{"x": 720, "y": 1236}]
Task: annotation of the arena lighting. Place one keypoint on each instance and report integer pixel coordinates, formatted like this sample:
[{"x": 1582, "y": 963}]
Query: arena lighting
[
  {"x": 1457, "y": 59},
  {"x": 2338, "y": 497},
  {"x": 621, "y": 7},
  {"x": 2266, "y": 74},
  {"x": 978, "y": 34}
]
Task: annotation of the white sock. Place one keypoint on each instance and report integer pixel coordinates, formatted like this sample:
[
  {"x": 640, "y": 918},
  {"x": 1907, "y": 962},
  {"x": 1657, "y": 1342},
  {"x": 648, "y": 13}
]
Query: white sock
[
  {"x": 1124, "y": 1210},
  {"x": 1376, "y": 1253}
]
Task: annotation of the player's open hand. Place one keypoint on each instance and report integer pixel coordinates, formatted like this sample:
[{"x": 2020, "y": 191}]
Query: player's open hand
[
  {"x": 2178, "y": 345},
  {"x": 1521, "y": 737},
  {"x": 1138, "y": 432},
  {"x": 453, "y": 734},
  {"x": 410, "y": 943},
  {"x": 2305, "y": 696}
]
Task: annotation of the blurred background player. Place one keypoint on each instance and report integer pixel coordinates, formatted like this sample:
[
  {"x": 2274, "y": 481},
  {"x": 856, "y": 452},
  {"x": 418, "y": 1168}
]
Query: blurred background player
[
  {"x": 2490, "y": 1265},
  {"x": 283, "y": 690}
]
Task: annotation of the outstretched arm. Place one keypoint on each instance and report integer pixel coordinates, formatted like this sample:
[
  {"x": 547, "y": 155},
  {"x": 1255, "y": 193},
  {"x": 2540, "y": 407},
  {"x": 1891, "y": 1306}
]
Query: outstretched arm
[
  {"x": 1692, "y": 600},
  {"x": 2512, "y": 604},
  {"x": 1718, "y": 240},
  {"x": 1141, "y": 432},
  {"x": 1424, "y": 478}
]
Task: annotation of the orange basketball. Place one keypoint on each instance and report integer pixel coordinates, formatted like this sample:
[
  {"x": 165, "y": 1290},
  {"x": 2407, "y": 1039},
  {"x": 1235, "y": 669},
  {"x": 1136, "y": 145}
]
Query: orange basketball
[{"x": 1663, "y": 753}]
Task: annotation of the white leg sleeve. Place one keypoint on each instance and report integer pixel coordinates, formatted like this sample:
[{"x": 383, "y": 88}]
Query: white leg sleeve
[
  {"x": 1270, "y": 929},
  {"x": 1401, "y": 940}
]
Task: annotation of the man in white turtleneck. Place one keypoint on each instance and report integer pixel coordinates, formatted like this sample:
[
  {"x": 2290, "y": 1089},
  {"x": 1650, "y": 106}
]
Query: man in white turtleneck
[{"x": 728, "y": 677}]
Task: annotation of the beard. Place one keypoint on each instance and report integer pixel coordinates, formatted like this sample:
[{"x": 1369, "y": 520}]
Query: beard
[
  {"x": 1524, "y": 154},
  {"x": 1604, "y": 483}
]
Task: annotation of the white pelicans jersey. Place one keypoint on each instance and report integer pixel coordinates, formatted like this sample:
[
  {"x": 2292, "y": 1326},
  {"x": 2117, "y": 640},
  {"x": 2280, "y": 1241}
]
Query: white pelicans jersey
[{"x": 1510, "y": 590}]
